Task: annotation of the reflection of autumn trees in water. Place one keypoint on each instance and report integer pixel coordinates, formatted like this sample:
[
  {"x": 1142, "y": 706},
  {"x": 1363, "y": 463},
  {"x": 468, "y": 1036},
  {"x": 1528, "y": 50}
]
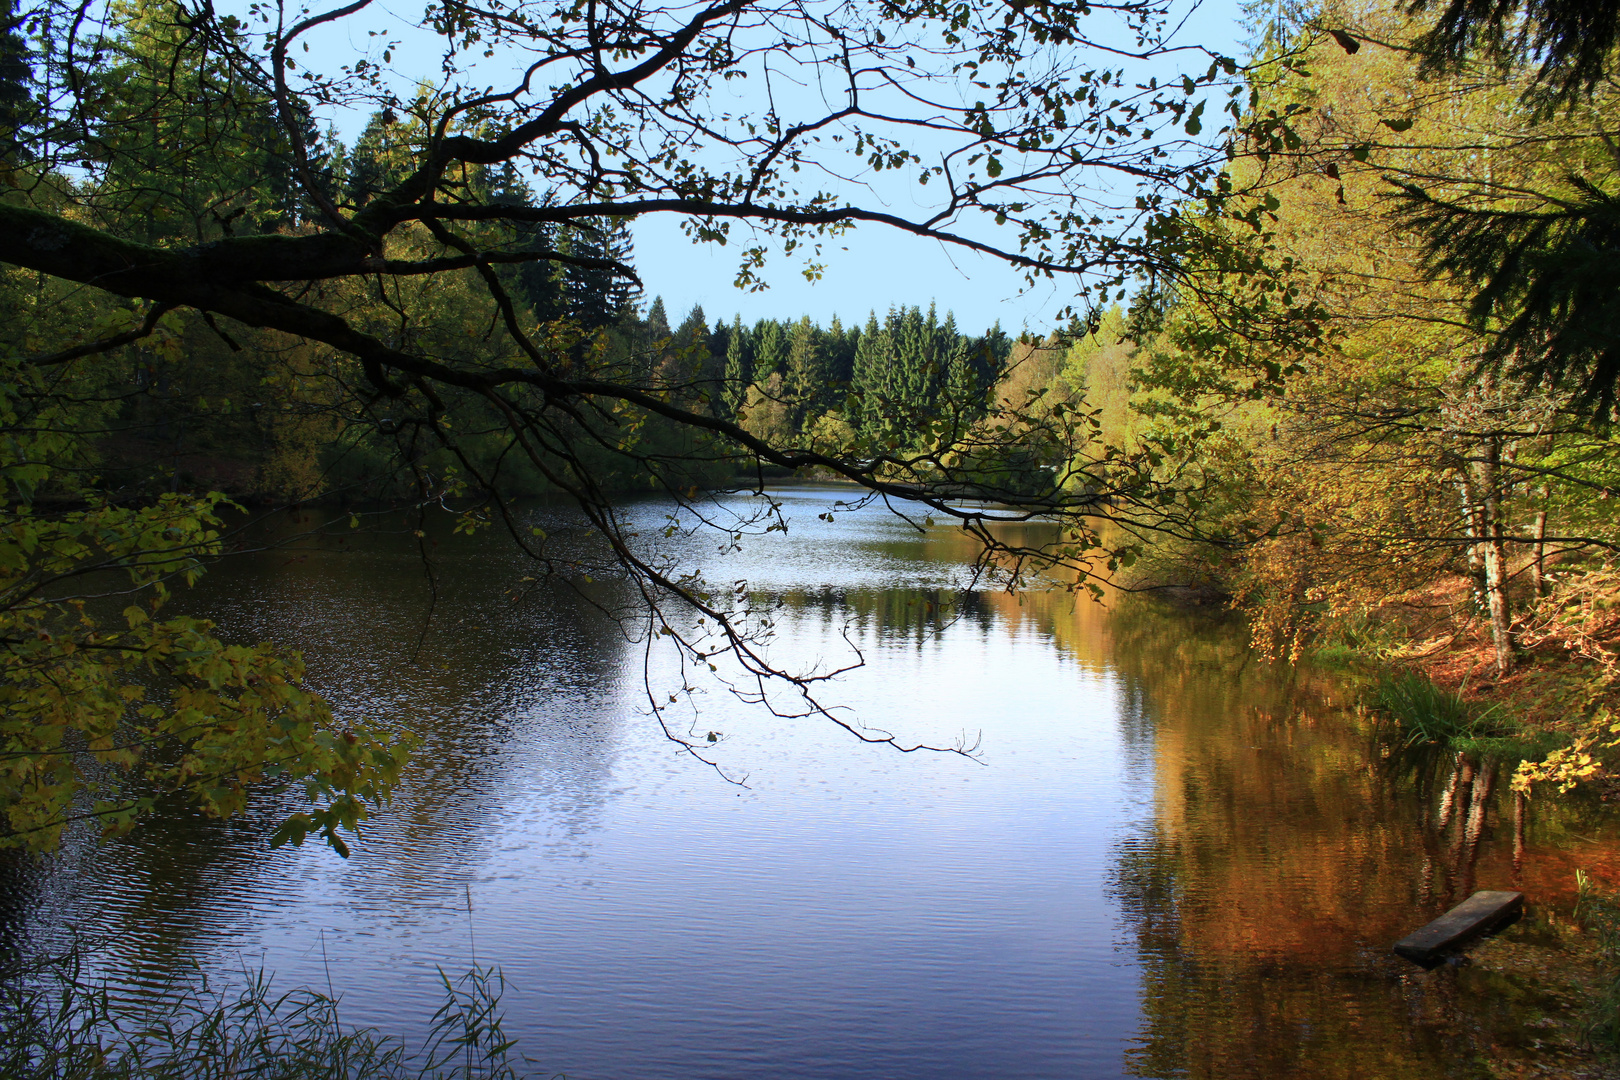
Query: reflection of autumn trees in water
[
  {"x": 1284, "y": 852},
  {"x": 1461, "y": 787},
  {"x": 890, "y": 614},
  {"x": 1285, "y": 849},
  {"x": 1276, "y": 869}
]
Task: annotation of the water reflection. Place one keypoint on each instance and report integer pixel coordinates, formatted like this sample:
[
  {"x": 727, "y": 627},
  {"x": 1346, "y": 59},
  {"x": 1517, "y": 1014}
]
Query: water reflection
[
  {"x": 1175, "y": 861},
  {"x": 1286, "y": 851}
]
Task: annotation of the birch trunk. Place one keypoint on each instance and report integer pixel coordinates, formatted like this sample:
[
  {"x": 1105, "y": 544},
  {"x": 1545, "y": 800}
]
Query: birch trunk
[
  {"x": 1488, "y": 486},
  {"x": 1474, "y": 529},
  {"x": 1538, "y": 561}
]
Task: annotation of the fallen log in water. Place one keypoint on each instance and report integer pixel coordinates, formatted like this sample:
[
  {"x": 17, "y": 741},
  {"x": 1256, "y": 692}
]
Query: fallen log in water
[{"x": 1481, "y": 913}]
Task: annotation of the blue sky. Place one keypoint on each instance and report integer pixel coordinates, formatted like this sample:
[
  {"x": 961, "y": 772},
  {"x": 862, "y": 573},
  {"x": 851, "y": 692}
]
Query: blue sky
[{"x": 871, "y": 268}]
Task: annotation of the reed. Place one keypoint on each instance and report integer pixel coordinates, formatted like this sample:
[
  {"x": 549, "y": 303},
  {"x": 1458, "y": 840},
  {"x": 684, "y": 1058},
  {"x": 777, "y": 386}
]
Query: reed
[{"x": 57, "y": 1025}]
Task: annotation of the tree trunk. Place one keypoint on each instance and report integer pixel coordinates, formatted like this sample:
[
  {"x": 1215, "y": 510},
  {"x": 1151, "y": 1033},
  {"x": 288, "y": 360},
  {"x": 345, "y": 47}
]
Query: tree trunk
[
  {"x": 1538, "y": 562},
  {"x": 1488, "y": 484},
  {"x": 1474, "y": 827},
  {"x": 1448, "y": 801},
  {"x": 1474, "y": 529}
]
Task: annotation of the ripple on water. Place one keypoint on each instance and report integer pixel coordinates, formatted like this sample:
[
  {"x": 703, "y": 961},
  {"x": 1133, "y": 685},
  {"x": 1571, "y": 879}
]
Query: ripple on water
[{"x": 1169, "y": 863}]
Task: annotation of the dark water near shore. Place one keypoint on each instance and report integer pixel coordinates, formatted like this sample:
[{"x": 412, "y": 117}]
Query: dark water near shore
[{"x": 1171, "y": 860}]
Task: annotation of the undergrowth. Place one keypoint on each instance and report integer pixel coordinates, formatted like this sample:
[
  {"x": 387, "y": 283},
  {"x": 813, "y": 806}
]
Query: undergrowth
[{"x": 57, "y": 1025}]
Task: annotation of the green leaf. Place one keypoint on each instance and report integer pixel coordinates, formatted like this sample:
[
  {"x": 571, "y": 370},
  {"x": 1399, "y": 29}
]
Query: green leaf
[{"x": 1195, "y": 123}]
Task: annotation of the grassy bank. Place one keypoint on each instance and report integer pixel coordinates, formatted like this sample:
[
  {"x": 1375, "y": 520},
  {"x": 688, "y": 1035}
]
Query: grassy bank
[{"x": 1432, "y": 671}]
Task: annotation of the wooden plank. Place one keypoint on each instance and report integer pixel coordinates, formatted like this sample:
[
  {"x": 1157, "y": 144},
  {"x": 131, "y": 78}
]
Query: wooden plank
[{"x": 1484, "y": 911}]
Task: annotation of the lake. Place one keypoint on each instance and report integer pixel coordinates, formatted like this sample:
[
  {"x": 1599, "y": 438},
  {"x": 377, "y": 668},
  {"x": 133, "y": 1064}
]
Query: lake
[{"x": 1168, "y": 858}]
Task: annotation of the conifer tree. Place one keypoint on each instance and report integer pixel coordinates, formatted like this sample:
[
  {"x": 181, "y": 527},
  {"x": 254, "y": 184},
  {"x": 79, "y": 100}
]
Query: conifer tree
[
  {"x": 720, "y": 346},
  {"x": 657, "y": 321},
  {"x": 599, "y": 293},
  {"x": 689, "y": 352},
  {"x": 913, "y": 375},
  {"x": 694, "y": 329},
  {"x": 873, "y": 360},
  {"x": 770, "y": 348},
  {"x": 807, "y": 374},
  {"x": 376, "y": 163},
  {"x": 739, "y": 375},
  {"x": 840, "y": 346}
]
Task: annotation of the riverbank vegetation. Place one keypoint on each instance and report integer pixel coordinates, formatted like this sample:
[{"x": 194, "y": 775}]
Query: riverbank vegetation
[
  {"x": 1406, "y": 436},
  {"x": 211, "y": 293},
  {"x": 60, "y": 1025}
]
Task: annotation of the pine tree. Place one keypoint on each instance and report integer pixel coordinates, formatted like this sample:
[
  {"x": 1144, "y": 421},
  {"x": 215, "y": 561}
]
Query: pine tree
[
  {"x": 770, "y": 348},
  {"x": 868, "y": 404},
  {"x": 807, "y": 376},
  {"x": 739, "y": 366}
]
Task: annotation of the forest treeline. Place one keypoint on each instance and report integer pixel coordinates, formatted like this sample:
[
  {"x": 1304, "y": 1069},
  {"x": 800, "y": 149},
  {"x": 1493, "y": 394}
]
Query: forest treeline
[{"x": 268, "y": 420}]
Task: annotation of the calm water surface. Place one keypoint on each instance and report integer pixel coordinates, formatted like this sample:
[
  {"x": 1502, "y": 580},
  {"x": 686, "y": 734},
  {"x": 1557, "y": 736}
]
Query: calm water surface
[{"x": 1171, "y": 860}]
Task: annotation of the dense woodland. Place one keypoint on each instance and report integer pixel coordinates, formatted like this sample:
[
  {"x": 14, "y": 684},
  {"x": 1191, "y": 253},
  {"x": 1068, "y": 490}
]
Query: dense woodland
[
  {"x": 1343, "y": 358},
  {"x": 195, "y": 409}
]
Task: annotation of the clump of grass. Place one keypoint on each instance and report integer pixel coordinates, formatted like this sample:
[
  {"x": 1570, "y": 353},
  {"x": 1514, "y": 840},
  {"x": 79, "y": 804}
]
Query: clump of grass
[
  {"x": 1337, "y": 655},
  {"x": 61, "y": 1027},
  {"x": 1429, "y": 713}
]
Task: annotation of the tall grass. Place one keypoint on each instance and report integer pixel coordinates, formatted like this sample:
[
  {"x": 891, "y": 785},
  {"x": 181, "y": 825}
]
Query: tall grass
[
  {"x": 59, "y": 1026},
  {"x": 1429, "y": 713}
]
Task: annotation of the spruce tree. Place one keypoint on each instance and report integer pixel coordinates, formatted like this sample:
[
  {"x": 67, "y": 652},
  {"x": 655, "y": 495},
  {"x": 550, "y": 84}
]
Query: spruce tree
[
  {"x": 375, "y": 161},
  {"x": 595, "y": 296},
  {"x": 869, "y": 400},
  {"x": 770, "y": 348},
  {"x": 911, "y": 379},
  {"x": 739, "y": 366},
  {"x": 807, "y": 376},
  {"x": 840, "y": 346},
  {"x": 623, "y": 294},
  {"x": 690, "y": 349},
  {"x": 657, "y": 321}
]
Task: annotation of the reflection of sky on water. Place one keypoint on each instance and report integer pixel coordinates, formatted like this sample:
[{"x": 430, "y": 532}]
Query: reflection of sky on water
[
  {"x": 851, "y": 912},
  {"x": 1096, "y": 896}
]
